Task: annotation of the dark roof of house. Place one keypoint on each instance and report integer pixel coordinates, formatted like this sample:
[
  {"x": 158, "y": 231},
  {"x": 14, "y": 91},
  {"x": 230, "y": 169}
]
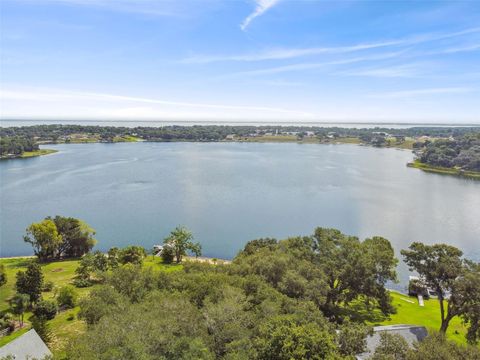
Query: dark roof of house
[
  {"x": 411, "y": 333},
  {"x": 27, "y": 346}
]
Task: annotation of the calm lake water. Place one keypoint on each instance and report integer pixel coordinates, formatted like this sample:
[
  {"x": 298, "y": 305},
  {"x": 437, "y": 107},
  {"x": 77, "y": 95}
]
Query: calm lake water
[{"x": 229, "y": 193}]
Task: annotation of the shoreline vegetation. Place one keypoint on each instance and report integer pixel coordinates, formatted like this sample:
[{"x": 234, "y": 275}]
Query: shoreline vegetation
[
  {"x": 443, "y": 150},
  {"x": 417, "y": 164}
]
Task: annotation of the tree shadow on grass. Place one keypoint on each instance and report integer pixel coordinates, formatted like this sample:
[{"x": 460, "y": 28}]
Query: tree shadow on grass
[{"x": 361, "y": 312}]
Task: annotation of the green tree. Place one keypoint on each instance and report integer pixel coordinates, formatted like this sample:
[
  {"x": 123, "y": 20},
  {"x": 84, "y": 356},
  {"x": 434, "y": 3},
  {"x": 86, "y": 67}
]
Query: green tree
[
  {"x": 101, "y": 301},
  {"x": 436, "y": 347},
  {"x": 3, "y": 275},
  {"x": 19, "y": 304},
  {"x": 180, "y": 239},
  {"x": 352, "y": 338},
  {"x": 391, "y": 347},
  {"x": 466, "y": 298},
  {"x": 286, "y": 337},
  {"x": 42, "y": 328},
  {"x": 163, "y": 326},
  {"x": 30, "y": 282},
  {"x": 77, "y": 236},
  {"x": 440, "y": 266},
  {"x": 45, "y": 239},
  {"x": 113, "y": 255},
  {"x": 67, "y": 297},
  {"x": 354, "y": 269},
  {"x": 132, "y": 254},
  {"x": 45, "y": 309}
]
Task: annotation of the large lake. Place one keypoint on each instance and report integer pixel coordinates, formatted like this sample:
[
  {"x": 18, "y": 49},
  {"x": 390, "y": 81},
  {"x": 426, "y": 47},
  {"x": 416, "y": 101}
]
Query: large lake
[{"x": 229, "y": 193}]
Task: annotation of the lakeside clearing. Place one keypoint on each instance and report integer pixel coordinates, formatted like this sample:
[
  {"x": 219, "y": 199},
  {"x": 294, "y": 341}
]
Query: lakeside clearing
[
  {"x": 66, "y": 325},
  {"x": 29, "y": 154},
  {"x": 445, "y": 171}
]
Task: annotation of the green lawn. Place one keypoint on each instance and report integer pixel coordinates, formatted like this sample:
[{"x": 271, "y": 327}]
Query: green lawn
[
  {"x": 28, "y": 154},
  {"x": 409, "y": 312},
  {"x": 65, "y": 326}
]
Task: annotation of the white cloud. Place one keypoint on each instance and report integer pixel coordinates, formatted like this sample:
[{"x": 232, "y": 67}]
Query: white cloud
[
  {"x": 289, "y": 53},
  {"x": 311, "y": 66},
  {"x": 422, "y": 92},
  {"x": 401, "y": 71},
  {"x": 261, "y": 7},
  {"x": 55, "y": 102}
]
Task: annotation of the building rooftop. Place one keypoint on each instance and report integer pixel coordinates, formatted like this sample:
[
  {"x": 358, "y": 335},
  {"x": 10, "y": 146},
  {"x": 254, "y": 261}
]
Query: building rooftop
[
  {"x": 411, "y": 333},
  {"x": 27, "y": 346}
]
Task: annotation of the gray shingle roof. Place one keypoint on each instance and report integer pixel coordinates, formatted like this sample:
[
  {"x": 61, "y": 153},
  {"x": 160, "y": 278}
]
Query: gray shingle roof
[
  {"x": 27, "y": 346},
  {"x": 411, "y": 333}
]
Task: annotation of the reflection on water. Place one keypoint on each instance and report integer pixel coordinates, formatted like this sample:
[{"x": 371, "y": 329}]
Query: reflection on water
[{"x": 229, "y": 193}]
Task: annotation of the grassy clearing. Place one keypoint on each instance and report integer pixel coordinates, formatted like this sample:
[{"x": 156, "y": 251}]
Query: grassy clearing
[
  {"x": 445, "y": 171},
  {"x": 126, "y": 138},
  {"x": 66, "y": 325},
  {"x": 29, "y": 154},
  {"x": 409, "y": 312}
]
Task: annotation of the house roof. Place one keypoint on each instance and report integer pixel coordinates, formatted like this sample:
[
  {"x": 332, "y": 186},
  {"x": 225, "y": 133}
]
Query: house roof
[
  {"x": 27, "y": 346},
  {"x": 411, "y": 333}
]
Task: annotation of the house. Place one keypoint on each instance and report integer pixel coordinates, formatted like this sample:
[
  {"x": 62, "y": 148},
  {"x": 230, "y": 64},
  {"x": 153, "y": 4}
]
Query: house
[
  {"x": 411, "y": 333},
  {"x": 27, "y": 346},
  {"x": 230, "y": 137},
  {"x": 157, "y": 249},
  {"x": 309, "y": 133}
]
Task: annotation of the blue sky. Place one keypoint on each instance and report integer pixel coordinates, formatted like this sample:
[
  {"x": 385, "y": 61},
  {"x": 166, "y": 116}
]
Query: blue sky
[{"x": 382, "y": 61}]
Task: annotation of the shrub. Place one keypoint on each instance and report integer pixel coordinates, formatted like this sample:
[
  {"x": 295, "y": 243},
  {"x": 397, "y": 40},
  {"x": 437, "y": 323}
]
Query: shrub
[
  {"x": 81, "y": 282},
  {"x": 167, "y": 254},
  {"x": 45, "y": 309},
  {"x": 47, "y": 286},
  {"x": 67, "y": 297}
]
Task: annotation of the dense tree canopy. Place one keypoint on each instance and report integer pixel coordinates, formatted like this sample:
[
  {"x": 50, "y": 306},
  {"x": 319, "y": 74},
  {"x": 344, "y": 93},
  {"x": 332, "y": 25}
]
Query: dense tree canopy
[
  {"x": 60, "y": 237},
  {"x": 270, "y": 303},
  {"x": 16, "y": 145},
  {"x": 463, "y": 153}
]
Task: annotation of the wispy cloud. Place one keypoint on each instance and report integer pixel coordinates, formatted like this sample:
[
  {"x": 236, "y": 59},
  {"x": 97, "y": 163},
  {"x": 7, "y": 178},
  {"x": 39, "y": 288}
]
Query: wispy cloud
[
  {"x": 422, "y": 92},
  {"x": 261, "y": 7},
  {"x": 286, "y": 53},
  {"x": 54, "y": 95},
  {"x": 145, "y": 7},
  {"x": 281, "y": 54},
  {"x": 316, "y": 65},
  {"x": 400, "y": 71}
]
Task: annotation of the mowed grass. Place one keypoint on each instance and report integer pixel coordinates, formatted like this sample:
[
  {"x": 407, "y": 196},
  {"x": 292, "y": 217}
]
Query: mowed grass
[
  {"x": 29, "y": 154},
  {"x": 65, "y": 326},
  {"x": 409, "y": 312}
]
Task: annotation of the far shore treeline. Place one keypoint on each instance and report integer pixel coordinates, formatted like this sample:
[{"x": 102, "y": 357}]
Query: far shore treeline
[
  {"x": 437, "y": 149},
  {"x": 304, "y": 297}
]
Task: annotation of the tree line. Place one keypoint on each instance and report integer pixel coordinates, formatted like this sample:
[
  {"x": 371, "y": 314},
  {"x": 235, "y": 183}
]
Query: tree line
[
  {"x": 16, "y": 145},
  {"x": 305, "y": 297},
  {"x": 463, "y": 153},
  {"x": 54, "y": 133}
]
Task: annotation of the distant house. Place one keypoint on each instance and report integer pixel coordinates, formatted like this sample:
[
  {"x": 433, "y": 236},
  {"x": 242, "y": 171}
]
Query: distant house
[
  {"x": 411, "y": 333},
  {"x": 309, "y": 133},
  {"x": 230, "y": 137},
  {"x": 157, "y": 249},
  {"x": 27, "y": 346}
]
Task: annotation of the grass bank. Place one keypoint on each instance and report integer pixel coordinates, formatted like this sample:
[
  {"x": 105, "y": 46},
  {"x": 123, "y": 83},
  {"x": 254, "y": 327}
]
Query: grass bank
[{"x": 445, "y": 171}]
